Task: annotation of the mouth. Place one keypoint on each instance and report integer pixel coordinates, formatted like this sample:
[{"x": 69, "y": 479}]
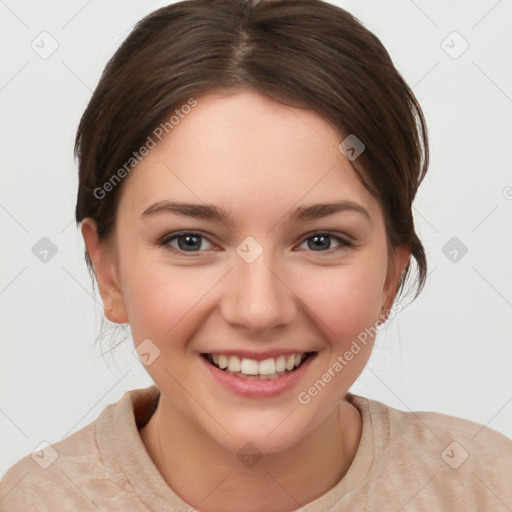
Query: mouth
[{"x": 251, "y": 369}]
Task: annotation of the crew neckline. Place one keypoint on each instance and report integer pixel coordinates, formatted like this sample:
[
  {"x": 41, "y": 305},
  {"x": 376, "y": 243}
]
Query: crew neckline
[{"x": 126, "y": 458}]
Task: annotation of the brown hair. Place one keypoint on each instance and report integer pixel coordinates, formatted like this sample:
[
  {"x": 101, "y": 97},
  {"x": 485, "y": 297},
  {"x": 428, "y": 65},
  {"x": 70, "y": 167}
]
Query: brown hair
[{"x": 303, "y": 53}]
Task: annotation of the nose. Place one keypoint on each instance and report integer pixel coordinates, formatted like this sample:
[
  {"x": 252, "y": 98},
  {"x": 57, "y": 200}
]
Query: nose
[{"x": 257, "y": 295}]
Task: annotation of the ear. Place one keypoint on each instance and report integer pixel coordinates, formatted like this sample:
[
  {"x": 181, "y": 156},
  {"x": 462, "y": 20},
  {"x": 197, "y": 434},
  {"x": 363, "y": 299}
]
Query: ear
[
  {"x": 105, "y": 267},
  {"x": 398, "y": 261}
]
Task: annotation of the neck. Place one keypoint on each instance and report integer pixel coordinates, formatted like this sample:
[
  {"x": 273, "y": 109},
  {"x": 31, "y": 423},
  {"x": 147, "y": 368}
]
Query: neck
[{"x": 277, "y": 482}]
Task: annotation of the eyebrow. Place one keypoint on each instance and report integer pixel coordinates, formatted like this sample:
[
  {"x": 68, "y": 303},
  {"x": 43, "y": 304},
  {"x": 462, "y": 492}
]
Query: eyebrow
[{"x": 211, "y": 212}]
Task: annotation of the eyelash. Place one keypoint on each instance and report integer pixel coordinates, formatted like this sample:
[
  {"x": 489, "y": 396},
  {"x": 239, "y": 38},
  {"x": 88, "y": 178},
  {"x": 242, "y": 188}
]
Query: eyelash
[{"x": 165, "y": 241}]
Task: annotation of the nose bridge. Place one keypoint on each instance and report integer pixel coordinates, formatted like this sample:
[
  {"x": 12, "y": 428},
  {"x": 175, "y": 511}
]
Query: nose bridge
[{"x": 256, "y": 296}]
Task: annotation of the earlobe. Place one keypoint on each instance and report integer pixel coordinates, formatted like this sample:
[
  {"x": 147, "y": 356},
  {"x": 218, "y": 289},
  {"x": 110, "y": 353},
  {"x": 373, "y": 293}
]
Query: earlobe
[{"x": 105, "y": 269}]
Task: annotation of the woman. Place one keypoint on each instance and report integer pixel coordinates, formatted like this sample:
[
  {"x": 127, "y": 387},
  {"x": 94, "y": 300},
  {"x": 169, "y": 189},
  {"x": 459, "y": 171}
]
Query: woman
[{"x": 246, "y": 179}]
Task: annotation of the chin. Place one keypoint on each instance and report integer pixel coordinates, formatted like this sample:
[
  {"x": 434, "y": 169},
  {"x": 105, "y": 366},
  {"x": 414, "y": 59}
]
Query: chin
[{"x": 271, "y": 433}]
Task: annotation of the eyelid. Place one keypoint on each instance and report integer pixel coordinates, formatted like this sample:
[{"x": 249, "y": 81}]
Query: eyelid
[
  {"x": 344, "y": 240},
  {"x": 164, "y": 241}
]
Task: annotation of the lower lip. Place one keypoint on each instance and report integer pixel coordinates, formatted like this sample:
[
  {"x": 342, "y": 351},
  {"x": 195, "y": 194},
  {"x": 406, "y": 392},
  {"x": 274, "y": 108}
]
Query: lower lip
[{"x": 255, "y": 388}]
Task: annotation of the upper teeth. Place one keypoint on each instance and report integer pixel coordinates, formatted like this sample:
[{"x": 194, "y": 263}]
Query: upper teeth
[{"x": 252, "y": 367}]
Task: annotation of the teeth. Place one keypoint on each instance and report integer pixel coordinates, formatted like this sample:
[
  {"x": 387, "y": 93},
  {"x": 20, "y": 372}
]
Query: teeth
[
  {"x": 249, "y": 367},
  {"x": 281, "y": 364},
  {"x": 234, "y": 364},
  {"x": 271, "y": 368},
  {"x": 267, "y": 367}
]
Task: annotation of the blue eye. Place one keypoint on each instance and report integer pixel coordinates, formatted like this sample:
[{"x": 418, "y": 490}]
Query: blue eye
[
  {"x": 322, "y": 241},
  {"x": 186, "y": 242}
]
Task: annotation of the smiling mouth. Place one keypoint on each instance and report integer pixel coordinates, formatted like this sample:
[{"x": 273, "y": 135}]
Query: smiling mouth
[{"x": 268, "y": 369}]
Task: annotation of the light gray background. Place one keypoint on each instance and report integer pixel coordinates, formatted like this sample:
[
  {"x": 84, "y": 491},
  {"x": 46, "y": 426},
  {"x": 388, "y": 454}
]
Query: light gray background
[{"x": 449, "y": 351}]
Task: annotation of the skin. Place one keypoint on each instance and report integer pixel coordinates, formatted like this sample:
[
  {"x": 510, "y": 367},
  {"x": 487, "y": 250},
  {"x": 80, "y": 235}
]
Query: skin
[{"x": 259, "y": 160}]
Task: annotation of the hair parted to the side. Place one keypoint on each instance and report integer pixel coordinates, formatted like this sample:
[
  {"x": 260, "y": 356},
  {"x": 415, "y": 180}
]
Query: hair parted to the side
[{"x": 304, "y": 53}]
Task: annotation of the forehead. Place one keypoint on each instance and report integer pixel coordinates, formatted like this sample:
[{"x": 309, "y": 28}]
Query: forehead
[{"x": 249, "y": 153}]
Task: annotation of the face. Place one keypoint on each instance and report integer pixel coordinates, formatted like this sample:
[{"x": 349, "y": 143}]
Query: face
[{"x": 252, "y": 272}]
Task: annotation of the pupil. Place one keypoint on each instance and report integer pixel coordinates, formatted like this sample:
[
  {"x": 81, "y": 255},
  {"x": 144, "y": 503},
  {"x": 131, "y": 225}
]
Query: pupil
[
  {"x": 192, "y": 242},
  {"x": 324, "y": 242}
]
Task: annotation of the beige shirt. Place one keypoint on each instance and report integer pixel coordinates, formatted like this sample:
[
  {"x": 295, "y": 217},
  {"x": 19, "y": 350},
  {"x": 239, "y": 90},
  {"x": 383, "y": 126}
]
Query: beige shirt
[{"x": 410, "y": 461}]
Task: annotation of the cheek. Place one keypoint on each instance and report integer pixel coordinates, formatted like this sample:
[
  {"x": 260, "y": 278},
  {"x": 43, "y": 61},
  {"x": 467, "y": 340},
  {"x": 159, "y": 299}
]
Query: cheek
[
  {"x": 345, "y": 301},
  {"x": 163, "y": 301}
]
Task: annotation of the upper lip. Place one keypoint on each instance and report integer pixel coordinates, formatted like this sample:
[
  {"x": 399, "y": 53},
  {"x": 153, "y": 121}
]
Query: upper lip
[{"x": 258, "y": 356}]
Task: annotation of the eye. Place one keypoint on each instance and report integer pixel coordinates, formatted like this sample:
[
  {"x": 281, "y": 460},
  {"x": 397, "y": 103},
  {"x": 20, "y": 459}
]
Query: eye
[
  {"x": 322, "y": 241},
  {"x": 186, "y": 241}
]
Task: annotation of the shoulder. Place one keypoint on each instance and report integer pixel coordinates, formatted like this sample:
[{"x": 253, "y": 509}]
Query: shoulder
[
  {"x": 459, "y": 439},
  {"x": 449, "y": 455},
  {"x": 53, "y": 476},
  {"x": 88, "y": 468},
  {"x": 83, "y": 469},
  {"x": 422, "y": 428}
]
